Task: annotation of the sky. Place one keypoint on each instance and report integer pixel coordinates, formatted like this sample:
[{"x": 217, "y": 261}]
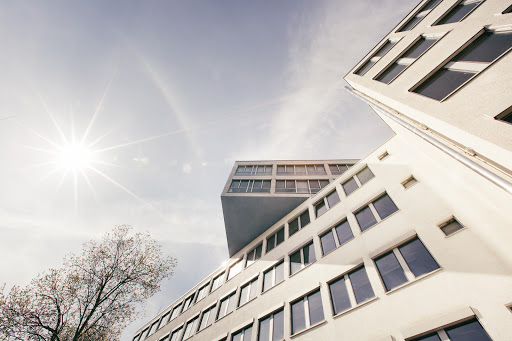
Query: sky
[{"x": 166, "y": 95}]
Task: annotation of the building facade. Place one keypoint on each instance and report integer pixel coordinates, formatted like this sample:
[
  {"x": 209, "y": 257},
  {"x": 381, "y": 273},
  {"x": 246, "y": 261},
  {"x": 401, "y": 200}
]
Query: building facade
[{"x": 410, "y": 243}]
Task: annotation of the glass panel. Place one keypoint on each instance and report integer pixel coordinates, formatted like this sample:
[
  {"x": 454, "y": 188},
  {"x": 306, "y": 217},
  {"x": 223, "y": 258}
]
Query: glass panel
[
  {"x": 212, "y": 316},
  {"x": 231, "y": 304},
  {"x": 304, "y": 219},
  {"x": 175, "y": 311},
  {"x": 316, "y": 311},
  {"x": 320, "y": 208},
  {"x": 390, "y": 271},
  {"x": 265, "y": 186},
  {"x": 469, "y": 331},
  {"x": 295, "y": 262},
  {"x": 442, "y": 83},
  {"x": 365, "y": 218},
  {"x": 290, "y": 184},
  {"x": 366, "y": 66},
  {"x": 280, "y": 236},
  {"x": 385, "y": 206},
  {"x": 271, "y": 242},
  {"x": 456, "y": 14},
  {"x": 302, "y": 186},
  {"x": 339, "y": 296},
  {"x": 235, "y": 270},
  {"x": 344, "y": 232},
  {"x": 410, "y": 24},
  {"x": 334, "y": 169},
  {"x": 264, "y": 330},
  {"x": 391, "y": 72},
  {"x": 350, "y": 186},
  {"x": 267, "y": 280},
  {"x": 451, "y": 227},
  {"x": 293, "y": 226},
  {"x": 365, "y": 175},
  {"x": 361, "y": 285},
  {"x": 280, "y": 186},
  {"x": 333, "y": 199},
  {"x": 237, "y": 336},
  {"x": 258, "y": 252},
  {"x": 323, "y": 183},
  {"x": 248, "y": 333},
  {"x": 204, "y": 320},
  {"x": 279, "y": 272},
  {"x": 278, "y": 330},
  {"x": 244, "y": 295},
  {"x": 281, "y": 170},
  {"x": 418, "y": 258},
  {"x": 175, "y": 335},
  {"x": 300, "y": 169},
  {"x": 254, "y": 286},
  {"x": 222, "y": 308},
  {"x": 327, "y": 241},
  {"x": 298, "y": 316},
  {"x": 431, "y": 4},
  {"x": 311, "y": 169},
  {"x": 384, "y": 49},
  {"x": 430, "y": 337},
  {"x": 417, "y": 49},
  {"x": 309, "y": 254},
  {"x": 243, "y": 170},
  {"x": 486, "y": 48}
]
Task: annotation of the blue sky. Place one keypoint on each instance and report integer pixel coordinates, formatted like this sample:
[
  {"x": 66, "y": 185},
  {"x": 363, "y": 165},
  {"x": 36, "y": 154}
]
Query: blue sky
[{"x": 172, "y": 92}]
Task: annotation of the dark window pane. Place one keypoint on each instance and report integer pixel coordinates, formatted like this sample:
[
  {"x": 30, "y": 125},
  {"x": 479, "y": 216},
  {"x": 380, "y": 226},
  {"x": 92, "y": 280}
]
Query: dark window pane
[
  {"x": 264, "y": 330},
  {"x": 279, "y": 272},
  {"x": 323, "y": 183},
  {"x": 361, "y": 285},
  {"x": 451, "y": 227},
  {"x": 486, "y": 48},
  {"x": 417, "y": 49},
  {"x": 384, "y": 49},
  {"x": 280, "y": 236},
  {"x": 410, "y": 24},
  {"x": 508, "y": 10},
  {"x": 430, "y": 337},
  {"x": 327, "y": 241},
  {"x": 267, "y": 280},
  {"x": 344, "y": 232},
  {"x": 431, "y": 4},
  {"x": 293, "y": 226},
  {"x": 333, "y": 199},
  {"x": 365, "y": 175},
  {"x": 281, "y": 169},
  {"x": 442, "y": 83},
  {"x": 335, "y": 170},
  {"x": 320, "y": 208},
  {"x": 385, "y": 206},
  {"x": 456, "y": 14},
  {"x": 295, "y": 262},
  {"x": 418, "y": 258},
  {"x": 316, "y": 311},
  {"x": 290, "y": 184},
  {"x": 309, "y": 254},
  {"x": 363, "y": 69},
  {"x": 300, "y": 169},
  {"x": 258, "y": 252},
  {"x": 243, "y": 295},
  {"x": 365, "y": 218},
  {"x": 302, "y": 186},
  {"x": 254, "y": 286},
  {"x": 298, "y": 316},
  {"x": 279, "y": 185},
  {"x": 271, "y": 242},
  {"x": 304, "y": 219},
  {"x": 339, "y": 296},
  {"x": 278, "y": 330},
  {"x": 391, "y": 72},
  {"x": 506, "y": 118},
  {"x": 350, "y": 186},
  {"x": 390, "y": 271},
  {"x": 469, "y": 331}
]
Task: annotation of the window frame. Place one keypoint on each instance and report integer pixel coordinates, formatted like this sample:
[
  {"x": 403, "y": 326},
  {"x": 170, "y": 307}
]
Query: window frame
[
  {"x": 326, "y": 203},
  {"x": 254, "y": 170},
  {"x": 206, "y": 287},
  {"x": 194, "y": 321},
  {"x": 505, "y": 114},
  {"x": 230, "y": 296},
  {"x": 420, "y": 10},
  {"x": 237, "y": 265},
  {"x": 373, "y": 210},
  {"x": 210, "y": 310},
  {"x": 460, "y": 2},
  {"x": 274, "y": 275},
  {"x": 242, "y": 331},
  {"x": 254, "y": 250},
  {"x": 271, "y": 317},
  {"x": 441, "y": 331},
  {"x": 274, "y": 236},
  {"x": 300, "y": 250},
  {"x": 311, "y": 189},
  {"x": 307, "y": 311},
  {"x": 250, "y": 283},
  {"x": 332, "y": 230},
  {"x": 190, "y": 300},
  {"x": 250, "y": 186},
  {"x": 373, "y": 56},
  {"x": 218, "y": 276},
  {"x": 298, "y": 217},
  {"x": 448, "y": 221},
  {"x": 357, "y": 180}
]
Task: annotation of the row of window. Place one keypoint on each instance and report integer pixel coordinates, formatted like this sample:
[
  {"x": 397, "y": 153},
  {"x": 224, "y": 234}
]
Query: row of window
[
  {"x": 336, "y": 169},
  {"x": 404, "y": 263}
]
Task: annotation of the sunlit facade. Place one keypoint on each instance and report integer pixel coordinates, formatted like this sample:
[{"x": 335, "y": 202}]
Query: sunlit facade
[{"x": 410, "y": 243}]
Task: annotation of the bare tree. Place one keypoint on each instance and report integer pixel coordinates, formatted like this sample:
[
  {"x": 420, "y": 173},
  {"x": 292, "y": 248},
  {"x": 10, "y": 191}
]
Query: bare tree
[{"x": 93, "y": 296}]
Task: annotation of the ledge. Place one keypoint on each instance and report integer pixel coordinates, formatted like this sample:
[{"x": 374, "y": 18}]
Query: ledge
[
  {"x": 356, "y": 307},
  {"x": 308, "y": 328},
  {"x": 417, "y": 279},
  {"x": 313, "y": 262}
]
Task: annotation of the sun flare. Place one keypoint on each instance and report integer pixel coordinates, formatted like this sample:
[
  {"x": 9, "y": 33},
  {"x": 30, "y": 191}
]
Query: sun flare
[{"x": 74, "y": 157}]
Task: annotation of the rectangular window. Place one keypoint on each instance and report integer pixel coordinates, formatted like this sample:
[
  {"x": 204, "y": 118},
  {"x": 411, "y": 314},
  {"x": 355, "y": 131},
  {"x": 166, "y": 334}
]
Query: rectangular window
[
  {"x": 271, "y": 327},
  {"x": 420, "y": 14},
  {"x": 459, "y": 12},
  {"x": 153, "y": 328},
  {"x": 249, "y": 186},
  {"x": 338, "y": 169},
  {"x": 505, "y": 116},
  {"x": 375, "y": 212},
  {"x": 466, "y": 331},
  {"x": 409, "y": 182},
  {"x": 301, "y": 170},
  {"x": 302, "y": 257},
  {"x": 254, "y": 170},
  {"x": 254, "y": 255},
  {"x": 217, "y": 281},
  {"x": 176, "y": 334},
  {"x": 187, "y": 303},
  {"x": 451, "y": 226},
  {"x": 473, "y": 59},
  {"x": 336, "y": 236},
  {"x": 201, "y": 293},
  {"x": 358, "y": 180},
  {"x": 273, "y": 276},
  {"x": 406, "y": 59},
  {"x": 226, "y": 305},
  {"x": 243, "y": 334},
  {"x": 234, "y": 269},
  {"x": 326, "y": 203},
  {"x": 248, "y": 292},
  {"x": 300, "y": 186},
  {"x": 306, "y": 311},
  {"x": 405, "y": 263},
  {"x": 375, "y": 57},
  {"x": 357, "y": 283},
  {"x": 206, "y": 318},
  {"x": 175, "y": 312},
  {"x": 190, "y": 328},
  {"x": 164, "y": 319},
  {"x": 298, "y": 223},
  {"x": 275, "y": 239}
]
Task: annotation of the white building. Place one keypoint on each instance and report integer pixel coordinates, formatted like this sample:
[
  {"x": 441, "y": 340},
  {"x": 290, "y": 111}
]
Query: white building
[{"x": 410, "y": 243}]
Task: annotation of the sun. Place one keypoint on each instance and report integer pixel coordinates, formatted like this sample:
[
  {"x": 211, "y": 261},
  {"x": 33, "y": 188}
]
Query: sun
[{"x": 74, "y": 157}]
